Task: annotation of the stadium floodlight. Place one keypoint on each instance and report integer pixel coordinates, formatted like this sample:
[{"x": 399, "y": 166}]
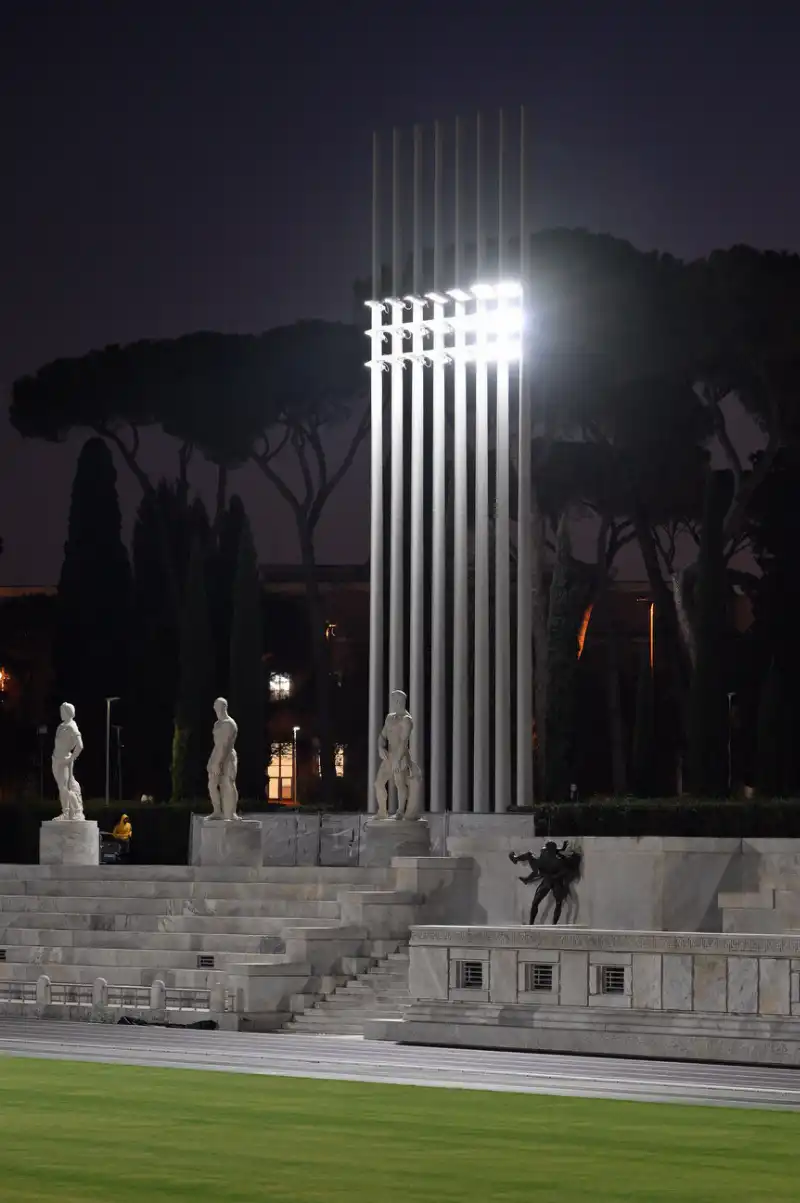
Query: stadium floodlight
[
  {"x": 508, "y": 290},
  {"x": 486, "y": 327}
]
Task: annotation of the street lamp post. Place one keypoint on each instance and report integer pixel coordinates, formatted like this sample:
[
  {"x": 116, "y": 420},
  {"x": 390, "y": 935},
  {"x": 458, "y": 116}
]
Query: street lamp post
[
  {"x": 294, "y": 764},
  {"x": 109, "y": 703}
]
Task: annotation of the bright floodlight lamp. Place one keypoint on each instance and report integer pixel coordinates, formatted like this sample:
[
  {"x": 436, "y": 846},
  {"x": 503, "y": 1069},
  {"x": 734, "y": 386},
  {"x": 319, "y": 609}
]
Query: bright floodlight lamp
[
  {"x": 508, "y": 289},
  {"x": 491, "y": 315}
]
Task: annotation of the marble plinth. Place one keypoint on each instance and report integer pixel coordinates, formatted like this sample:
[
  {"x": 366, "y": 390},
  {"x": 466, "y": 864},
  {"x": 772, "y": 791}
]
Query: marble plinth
[
  {"x": 70, "y": 842},
  {"x": 384, "y": 839},
  {"x": 230, "y": 842}
]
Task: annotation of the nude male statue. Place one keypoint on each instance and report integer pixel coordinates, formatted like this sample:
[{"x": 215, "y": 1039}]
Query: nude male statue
[
  {"x": 396, "y": 763},
  {"x": 66, "y": 750},
  {"x": 223, "y": 764}
]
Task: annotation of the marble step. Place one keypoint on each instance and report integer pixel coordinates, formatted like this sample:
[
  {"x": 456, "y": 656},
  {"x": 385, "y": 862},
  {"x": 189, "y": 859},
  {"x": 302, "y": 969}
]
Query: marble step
[
  {"x": 246, "y": 908},
  {"x": 120, "y": 957},
  {"x": 251, "y": 891},
  {"x": 337, "y": 1002},
  {"x": 211, "y": 942},
  {"x": 266, "y": 874},
  {"x": 332, "y": 1028},
  {"x": 125, "y": 975},
  {"x": 359, "y": 986},
  {"x": 259, "y": 925}
]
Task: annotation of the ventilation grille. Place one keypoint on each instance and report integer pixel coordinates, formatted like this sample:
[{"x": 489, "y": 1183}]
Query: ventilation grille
[
  {"x": 539, "y": 978},
  {"x": 612, "y": 979},
  {"x": 2, "y": 954},
  {"x": 205, "y": 962},
  {"x": 469, "y": 975}
]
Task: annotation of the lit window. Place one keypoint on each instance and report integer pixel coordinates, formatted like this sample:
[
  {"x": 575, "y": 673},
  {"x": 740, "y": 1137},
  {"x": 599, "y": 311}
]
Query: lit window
[
  {"x": 338, "y": 760},
  {"x": 5, "y": 677},
  {"x": 280, "y": 773},
  {"x": 280, "y": 686},
  {"x": 330, "y": 630}
]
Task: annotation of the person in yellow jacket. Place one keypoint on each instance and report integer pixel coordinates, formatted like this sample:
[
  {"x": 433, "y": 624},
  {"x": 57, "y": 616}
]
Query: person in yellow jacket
[{"x": 123, "y": 830}]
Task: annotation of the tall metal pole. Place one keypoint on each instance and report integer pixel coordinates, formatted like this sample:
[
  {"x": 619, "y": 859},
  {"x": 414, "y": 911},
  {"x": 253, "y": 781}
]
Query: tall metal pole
[
  {"x": 377, "y": 690},
  {"x": 481, "y": 732},
  {"x": 502, "y": 606},
  {"x": 396, "y": 591},
  {"x": 460, "y": 779},
  {"x": 438, "y": 782},
  {"x": 524, "y": 600},
  {"x": 417, "y": 584},
  {"x": 109, "y": 703}
]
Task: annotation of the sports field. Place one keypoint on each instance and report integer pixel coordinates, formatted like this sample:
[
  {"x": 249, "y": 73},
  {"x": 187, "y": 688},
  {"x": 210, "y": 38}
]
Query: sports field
[{"x": 71, "y": 1132}]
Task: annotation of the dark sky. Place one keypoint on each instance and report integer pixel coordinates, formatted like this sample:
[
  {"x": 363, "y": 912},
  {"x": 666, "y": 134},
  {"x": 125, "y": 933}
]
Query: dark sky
[{"x": 196, "y": 164}]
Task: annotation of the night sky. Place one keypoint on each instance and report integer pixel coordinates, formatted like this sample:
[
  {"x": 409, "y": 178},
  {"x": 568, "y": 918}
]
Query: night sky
[{"x": 194, "y": 164}]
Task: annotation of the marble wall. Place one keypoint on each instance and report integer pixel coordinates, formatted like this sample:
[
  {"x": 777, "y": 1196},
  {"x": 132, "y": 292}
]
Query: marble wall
[
  {"x": 705, "y": 996},
  {"x": 651, "y": 971}
]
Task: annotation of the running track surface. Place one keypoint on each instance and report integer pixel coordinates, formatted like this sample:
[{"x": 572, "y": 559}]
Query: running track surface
[{"x": 353, "y": 1059}]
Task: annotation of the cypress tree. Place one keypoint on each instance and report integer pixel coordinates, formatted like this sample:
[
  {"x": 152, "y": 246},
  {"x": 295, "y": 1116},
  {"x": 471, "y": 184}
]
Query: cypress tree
[
  {"x": 194, "y": 716},
  {"x": 155, "y": 668},
  {"x": 94, "y": 605},
  {"x": 247, "y": 668}
]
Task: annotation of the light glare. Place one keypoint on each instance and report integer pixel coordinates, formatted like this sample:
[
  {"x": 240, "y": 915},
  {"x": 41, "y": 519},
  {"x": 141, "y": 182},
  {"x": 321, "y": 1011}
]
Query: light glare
[{"x": 508, "y": 289}]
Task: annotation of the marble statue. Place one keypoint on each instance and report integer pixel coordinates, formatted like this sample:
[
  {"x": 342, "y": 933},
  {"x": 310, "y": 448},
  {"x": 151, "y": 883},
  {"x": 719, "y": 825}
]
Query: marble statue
[
  {"x": 223, "y": 764},
  {"x": 396, "y": 763},
  {"x": 66, "y": 750},
  {"x": 555, "y": 869}
]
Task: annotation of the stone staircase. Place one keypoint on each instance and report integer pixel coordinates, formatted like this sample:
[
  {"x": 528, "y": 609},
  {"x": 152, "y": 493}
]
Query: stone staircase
[
  {"x": 379, "y": 990},
  {"x": 183, "y": 926}
]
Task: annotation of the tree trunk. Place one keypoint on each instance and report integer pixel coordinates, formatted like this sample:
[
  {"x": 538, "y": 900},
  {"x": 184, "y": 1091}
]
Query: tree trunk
[
  {"x": 222, "y": 494},
  {"x": 643, "y": 744},
  {"x": 319, "y": 651},
  {"x": 709, "y": 720},
  {"x": 567, "y": 605},
  {"x": 616, "y": 726}
]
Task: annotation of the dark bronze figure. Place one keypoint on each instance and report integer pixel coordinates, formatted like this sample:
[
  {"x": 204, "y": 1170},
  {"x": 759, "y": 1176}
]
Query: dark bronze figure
[{"x": 555, "y": 869}]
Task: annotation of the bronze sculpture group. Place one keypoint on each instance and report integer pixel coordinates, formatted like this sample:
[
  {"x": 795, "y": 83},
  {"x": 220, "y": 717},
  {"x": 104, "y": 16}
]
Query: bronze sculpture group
[{"x": 555, "y": 869}]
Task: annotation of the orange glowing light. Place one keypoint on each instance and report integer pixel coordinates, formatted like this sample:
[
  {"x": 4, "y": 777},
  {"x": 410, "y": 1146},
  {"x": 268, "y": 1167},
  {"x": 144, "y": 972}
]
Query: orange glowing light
[
  {"x": 652, "y": 635},
  {"x": 583, "y": 628}
]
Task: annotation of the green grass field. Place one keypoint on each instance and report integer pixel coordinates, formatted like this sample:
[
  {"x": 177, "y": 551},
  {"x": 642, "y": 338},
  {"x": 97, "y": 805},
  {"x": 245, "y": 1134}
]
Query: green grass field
[{"x": 72, "y": 1132}]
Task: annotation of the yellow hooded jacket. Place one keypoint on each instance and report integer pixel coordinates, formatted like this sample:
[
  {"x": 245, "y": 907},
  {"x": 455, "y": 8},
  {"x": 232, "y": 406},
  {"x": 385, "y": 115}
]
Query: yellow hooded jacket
[{"x": 123, "y": 829}]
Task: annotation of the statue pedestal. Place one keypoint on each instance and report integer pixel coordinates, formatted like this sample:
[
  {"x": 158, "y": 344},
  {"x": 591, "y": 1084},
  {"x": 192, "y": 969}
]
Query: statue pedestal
[
  {"x": 386, "y": 838},
  {"x": 231, "y": 842},
  {"x": 69, "y": 842}
]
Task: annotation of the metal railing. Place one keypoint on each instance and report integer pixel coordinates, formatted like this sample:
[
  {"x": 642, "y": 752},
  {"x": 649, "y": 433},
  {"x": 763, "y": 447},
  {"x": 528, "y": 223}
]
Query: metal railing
[
  {"x": 135, "y": 998},
  {"x": 100, "y": 996},
  {"x": 17, "y": 992},
  {"x": 70, "y": 994}
]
